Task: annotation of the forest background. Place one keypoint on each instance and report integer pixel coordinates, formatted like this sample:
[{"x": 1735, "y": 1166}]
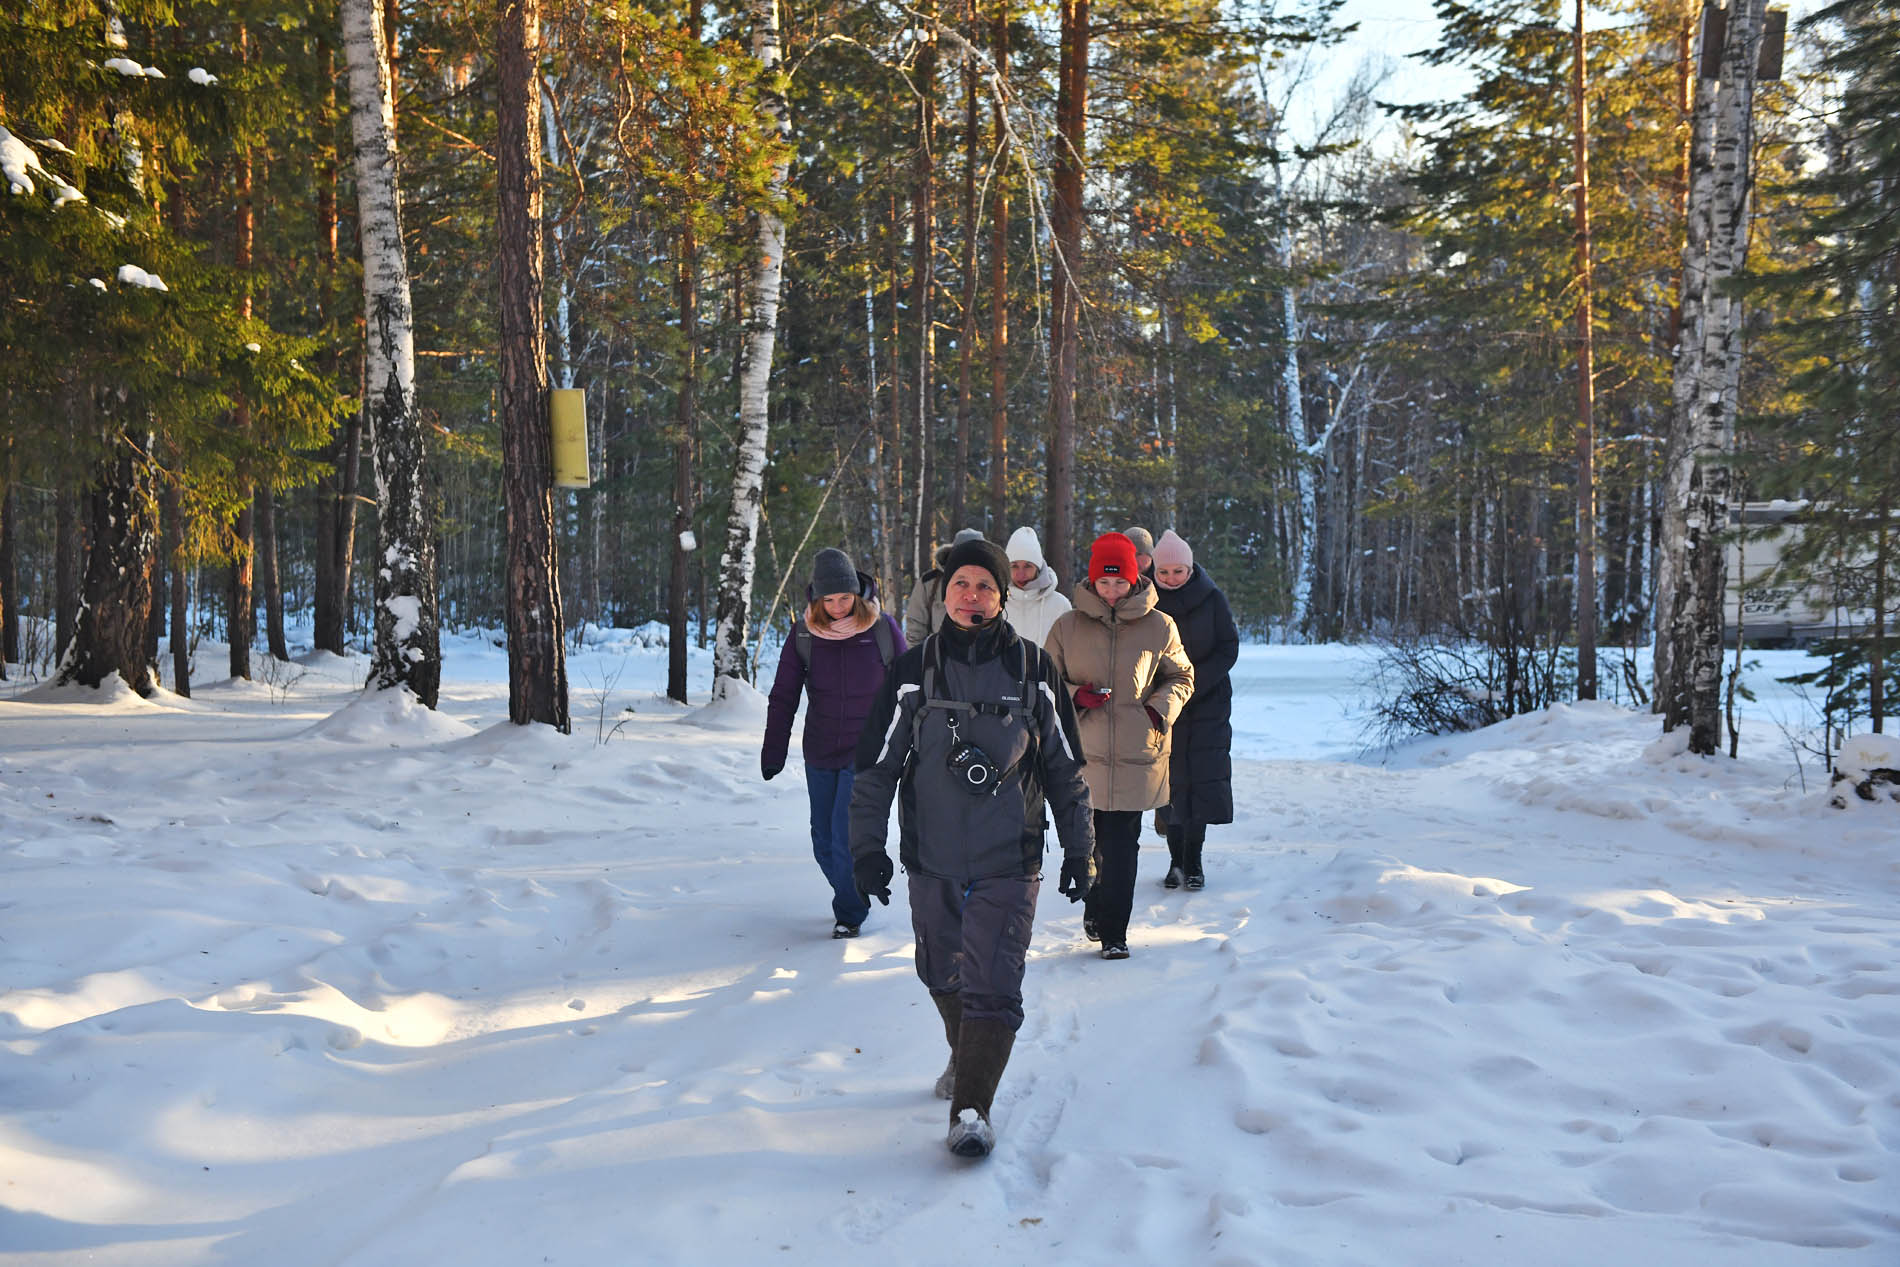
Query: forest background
[{"x": 1329, "y": 339}]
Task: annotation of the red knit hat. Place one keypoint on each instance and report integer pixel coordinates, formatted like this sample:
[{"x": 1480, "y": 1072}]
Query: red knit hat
[{"x": 1113, "y": 554}]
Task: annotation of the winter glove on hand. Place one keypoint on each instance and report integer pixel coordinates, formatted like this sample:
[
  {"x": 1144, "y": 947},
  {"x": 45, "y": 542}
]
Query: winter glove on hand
[
  {"x": 872, "y": 874},
  {"x": 1154, "y": 718},
  {"x": 1087, "y": 697},
  {"x": 1078, "y": 876},
  {"x": 768, "y": 769}
]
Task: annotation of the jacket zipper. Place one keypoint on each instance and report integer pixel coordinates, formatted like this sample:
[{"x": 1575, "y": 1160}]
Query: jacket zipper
[{"x": 1114, "y": 633}]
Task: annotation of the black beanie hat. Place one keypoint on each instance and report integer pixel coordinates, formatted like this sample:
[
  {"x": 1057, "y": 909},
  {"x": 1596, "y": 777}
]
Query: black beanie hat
[
  {"x": 832, "y": 572},
  {"x": 977, "y": 553}
]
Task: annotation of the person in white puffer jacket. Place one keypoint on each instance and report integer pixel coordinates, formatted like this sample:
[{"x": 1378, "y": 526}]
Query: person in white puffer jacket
[{"x": 1035, "y": 599}]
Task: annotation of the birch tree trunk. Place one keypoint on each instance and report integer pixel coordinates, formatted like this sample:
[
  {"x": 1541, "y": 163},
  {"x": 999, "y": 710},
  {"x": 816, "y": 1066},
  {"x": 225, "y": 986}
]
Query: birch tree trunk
[
  {"x": 1706, "y": 389},
  {"x": 730, "y": 661},
  {"x": 1304, "y": 458},
  {"x": 407, "y": 648},
  {"x": 537, "y": 658}
]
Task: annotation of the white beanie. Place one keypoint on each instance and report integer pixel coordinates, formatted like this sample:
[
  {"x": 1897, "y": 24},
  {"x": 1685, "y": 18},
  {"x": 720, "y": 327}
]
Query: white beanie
[
  {"x": 1024, "y": 548},
  {"x": 1171, "y": 551}
]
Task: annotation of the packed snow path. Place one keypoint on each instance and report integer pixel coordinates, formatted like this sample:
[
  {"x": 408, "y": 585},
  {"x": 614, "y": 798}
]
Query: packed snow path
[{"x": 289, "y": 975}]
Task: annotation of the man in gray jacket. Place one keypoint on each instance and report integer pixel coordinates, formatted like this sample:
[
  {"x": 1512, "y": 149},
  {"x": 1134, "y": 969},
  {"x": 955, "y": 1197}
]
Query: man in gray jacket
[{"x": 972, "y": 731}]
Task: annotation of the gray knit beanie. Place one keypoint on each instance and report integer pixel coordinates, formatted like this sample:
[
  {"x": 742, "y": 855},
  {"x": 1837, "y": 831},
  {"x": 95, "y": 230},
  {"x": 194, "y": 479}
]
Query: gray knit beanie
[
  {"x": 832, "y": 572},
  {"x": 1143, "y": 539}
]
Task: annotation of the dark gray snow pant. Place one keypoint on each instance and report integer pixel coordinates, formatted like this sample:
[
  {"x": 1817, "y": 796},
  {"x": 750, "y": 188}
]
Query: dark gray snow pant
[{"x": 973, "y": 941}]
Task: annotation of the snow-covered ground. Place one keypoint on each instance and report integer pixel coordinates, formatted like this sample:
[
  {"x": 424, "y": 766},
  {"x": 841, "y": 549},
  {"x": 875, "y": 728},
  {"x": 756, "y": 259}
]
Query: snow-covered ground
[{"x": 293, "y": 976}]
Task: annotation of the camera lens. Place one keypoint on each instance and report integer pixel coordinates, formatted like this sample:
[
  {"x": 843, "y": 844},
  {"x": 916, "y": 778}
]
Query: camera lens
[{"x": 978, "y": 774}]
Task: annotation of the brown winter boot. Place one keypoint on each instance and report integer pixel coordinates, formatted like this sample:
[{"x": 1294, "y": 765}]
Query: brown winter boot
[
  {"x": 983, "y": 1048},
  {"x": 950, "y": 1007}
]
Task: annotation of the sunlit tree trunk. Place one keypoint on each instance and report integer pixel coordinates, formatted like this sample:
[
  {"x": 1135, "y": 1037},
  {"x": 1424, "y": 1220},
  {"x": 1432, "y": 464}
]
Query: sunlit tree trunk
[
  {"x": 923, "y": 275},
  {"x": 1707, "y": 383},
  {"x": 999, "y": 283},
  {"x": 241, "y": 615},
  {"x": 730, "y": 661},
  {"x": 537, "y": 658},
  {"x": 1066, "y": 224},
  {"x": 1586, "y": 573},
  {"x": 966, "y": 335},
  {"x": 407, "y": 647}
]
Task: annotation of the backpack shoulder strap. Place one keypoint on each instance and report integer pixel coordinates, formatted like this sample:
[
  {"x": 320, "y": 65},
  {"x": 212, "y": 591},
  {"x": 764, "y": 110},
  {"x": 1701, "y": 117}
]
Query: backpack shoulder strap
[
  {"x": 886, "y": 649},
  {"x": 801, "y": 638}
]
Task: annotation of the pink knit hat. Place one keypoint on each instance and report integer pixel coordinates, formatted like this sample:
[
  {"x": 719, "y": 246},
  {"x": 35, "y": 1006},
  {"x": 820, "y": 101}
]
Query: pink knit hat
[{"x": 1171, "y": 552}]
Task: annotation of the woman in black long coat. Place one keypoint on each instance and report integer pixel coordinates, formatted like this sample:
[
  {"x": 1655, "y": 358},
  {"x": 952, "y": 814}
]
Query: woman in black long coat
[{"x": 1200, "y": 762}]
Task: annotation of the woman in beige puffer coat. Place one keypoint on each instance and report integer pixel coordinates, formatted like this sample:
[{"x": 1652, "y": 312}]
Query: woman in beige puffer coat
[{"x": 1131, "y": 678}]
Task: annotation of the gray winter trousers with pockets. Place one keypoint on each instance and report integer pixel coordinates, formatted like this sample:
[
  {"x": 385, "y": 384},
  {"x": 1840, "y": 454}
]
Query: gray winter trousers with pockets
[{"x": 973, "y": 940}]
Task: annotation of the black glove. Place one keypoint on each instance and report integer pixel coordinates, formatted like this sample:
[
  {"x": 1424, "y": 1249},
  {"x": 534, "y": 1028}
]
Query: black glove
[
  {"x": 872, "y": 874},
  {"x": 1078, "y": 876},
  {"x": 768, "y": 769}
]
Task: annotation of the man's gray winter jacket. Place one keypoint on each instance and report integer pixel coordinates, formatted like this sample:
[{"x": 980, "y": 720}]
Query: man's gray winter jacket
[{"x": 905, "y": 749}]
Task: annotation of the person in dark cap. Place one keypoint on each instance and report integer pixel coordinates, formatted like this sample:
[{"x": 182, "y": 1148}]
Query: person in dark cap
[
  {"x": 923, "y": 611},
  {"x": 837, "y": 655},
  {"x": 1144, "y": 543},
  {"x": 971, "y": 733}
]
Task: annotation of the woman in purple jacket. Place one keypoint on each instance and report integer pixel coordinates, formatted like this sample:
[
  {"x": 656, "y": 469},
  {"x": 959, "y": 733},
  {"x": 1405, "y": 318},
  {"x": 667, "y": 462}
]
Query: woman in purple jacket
[{"x": 837, "y": 654}]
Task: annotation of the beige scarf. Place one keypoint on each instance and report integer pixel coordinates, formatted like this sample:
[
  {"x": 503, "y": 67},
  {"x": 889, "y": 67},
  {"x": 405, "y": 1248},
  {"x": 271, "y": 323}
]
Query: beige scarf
[{"x": 849, "y": 627}]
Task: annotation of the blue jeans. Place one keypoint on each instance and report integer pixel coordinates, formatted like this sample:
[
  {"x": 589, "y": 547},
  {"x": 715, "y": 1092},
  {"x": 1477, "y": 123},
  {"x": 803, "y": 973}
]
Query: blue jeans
[{"x": 831, "y": 840}]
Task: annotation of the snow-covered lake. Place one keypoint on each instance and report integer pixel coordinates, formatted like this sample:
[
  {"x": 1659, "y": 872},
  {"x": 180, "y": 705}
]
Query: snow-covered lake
[{"x": 292, "y": 976}]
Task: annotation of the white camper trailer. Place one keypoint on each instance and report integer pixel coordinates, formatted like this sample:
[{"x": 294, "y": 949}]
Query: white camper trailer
[{"x": 1769, "y": 609}]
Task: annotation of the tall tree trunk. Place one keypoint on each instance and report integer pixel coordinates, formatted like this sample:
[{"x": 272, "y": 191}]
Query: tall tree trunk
[
  {"x": 879, "y": 474},
  {"x": 407, "y": 643},
  {"x": 1586, "y": 583},
  {"x": 1066, "y": 223},
  {"x": 685, "y": 440},
  {"x": 241, "y": 615},
  {"x": 1697, "y": 113},
  {"x": 269, "y": 578},
  {"x": 999, "y": 283},
  {"x": 923, "y": 244},
  {"x": 894, "y": 496},
  {"x": 1877, "y": 641},
  {"x": 68, "y": 558},
  {"x": 537, "y": 663},
  {"x": 686, "y": 437},
  {"x": 1308, "y": 453},
  {"x": 109, "y": 634},
  {"x": 1707, "y": 383},
  {"x": 173, "y": 560},
  {"x": 966, "y": 335},
  {"x": 336, "y": 491},
  {"x": 9, "y": 579},
  {"x": 730, "y": 661}
]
